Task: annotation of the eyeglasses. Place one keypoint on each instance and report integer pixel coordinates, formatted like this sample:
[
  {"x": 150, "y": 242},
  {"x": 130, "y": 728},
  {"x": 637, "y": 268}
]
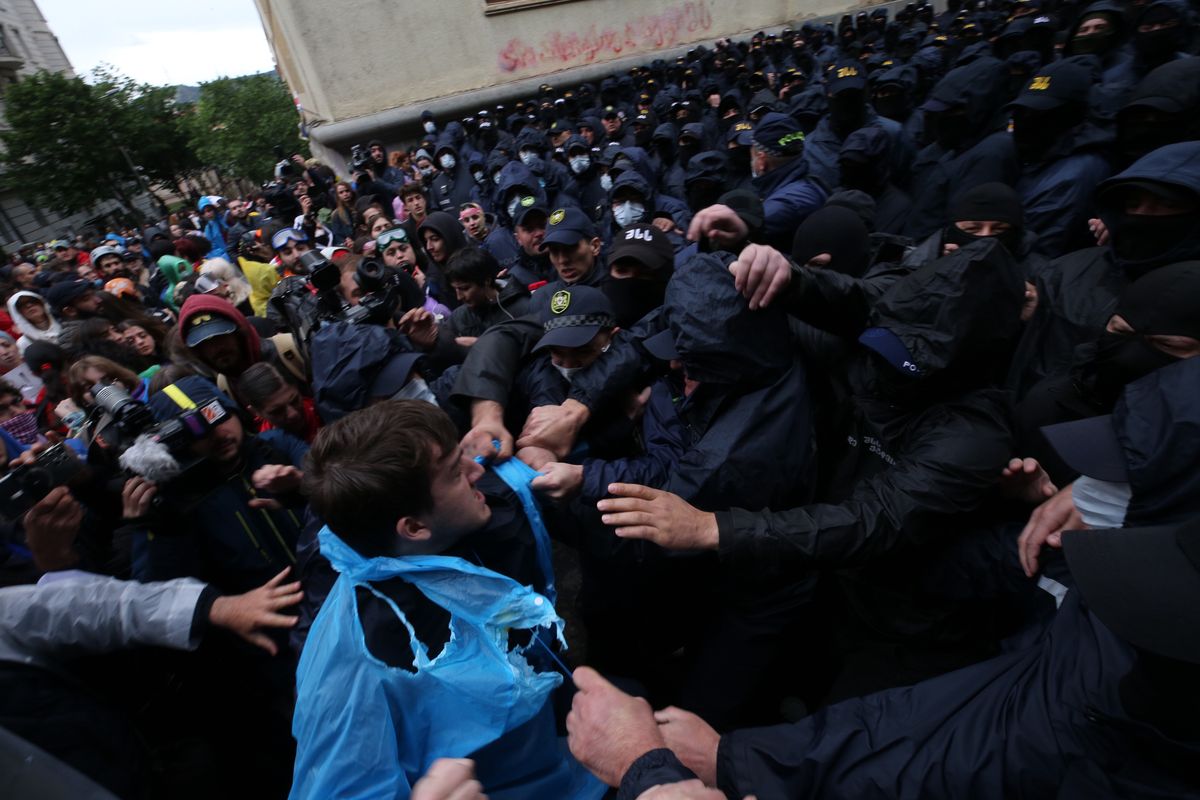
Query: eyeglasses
[
  {"x": 287, "y": 235},
  {"x": 389, "y": 236}
]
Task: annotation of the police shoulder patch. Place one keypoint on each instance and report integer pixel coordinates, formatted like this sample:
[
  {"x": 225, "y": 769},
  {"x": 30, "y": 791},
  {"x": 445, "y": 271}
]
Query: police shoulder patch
[
  {"x": 557, "y": 216},
  {"x": 560, "y": 301}
]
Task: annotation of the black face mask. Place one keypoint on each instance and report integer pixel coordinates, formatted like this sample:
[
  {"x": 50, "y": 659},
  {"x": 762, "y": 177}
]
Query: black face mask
[
  {"x": 739, "y": 160},
  {"x": 1010, "y": 239},
  {"x": 847, "y": 112},
  {"x": 893, "y": 107},
  {"x": 1120, "y": 359},
  {"x": 1158, "y": 46},
  {"x": 634, "y": 298},
  {"x": 863, "y": 177},
  {"x": 1143, "y": 241},
  {"x": 686, "y": 151},
  {"x": 951, "y": 130},
  {"x": 702, "y": 194},
  {"x": 1094, "y": 44}
]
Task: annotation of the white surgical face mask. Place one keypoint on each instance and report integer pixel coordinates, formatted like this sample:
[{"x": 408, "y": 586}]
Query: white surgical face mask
[
  {"x": 512, "y": 207},
  {"x": 628, "y": 213},
  {"x": 496, "y": 179},
  {"x": 430, "y": 127},
  {"x": 528, "y": 157},
  {"x": 606, "y": 182},
  {"x": 479, "y": 176},
  {"x": 568, "y": 373},
  {"x": 426, "y": 171},
  {"x": 416, "y": 389},
  {"x": 447, "y": 161},
  {"x": 579, "y": 164}
]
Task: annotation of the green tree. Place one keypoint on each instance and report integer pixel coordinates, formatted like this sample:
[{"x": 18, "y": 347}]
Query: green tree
[
  {"x": 239, "y": 122},
  {"x": 72, "y": 144}
]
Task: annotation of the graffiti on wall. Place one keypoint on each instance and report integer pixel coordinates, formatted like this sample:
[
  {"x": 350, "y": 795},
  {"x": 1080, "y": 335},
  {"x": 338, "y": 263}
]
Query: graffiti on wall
[{"x": 676, "y": 25}]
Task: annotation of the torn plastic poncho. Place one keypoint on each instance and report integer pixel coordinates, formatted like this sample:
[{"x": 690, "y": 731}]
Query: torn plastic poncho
[{"x": 369, "y": 730}]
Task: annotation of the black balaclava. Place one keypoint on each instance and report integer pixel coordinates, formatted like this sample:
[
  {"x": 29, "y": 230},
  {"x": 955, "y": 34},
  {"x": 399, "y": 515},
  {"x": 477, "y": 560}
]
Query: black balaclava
[
  {"x": 838, "y": 231},
  {"x": 634, "y": 298},
  {"x": 858, "y": 172},
  {"x": 1036, "y": 132},
  {"x": 989, "y": 201},
  {"x": 1143, "y": 242},
  {"x": 950, "y": 128},
  {"x": 847, "y": 111},
  {"x": 1162, "y": 302},
  {"x": 702, "y": 194},
  {"x": 1158, "y": 47},
  {"x": 1097, "y": 44}
]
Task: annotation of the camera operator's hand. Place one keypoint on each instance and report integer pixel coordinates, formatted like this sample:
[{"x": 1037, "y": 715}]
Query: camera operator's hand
[
  {"x": 51, "y": 526},
  {"x": 247, "y": 614},
  {"x": 306, "y": 203},
  {"x": 136, "y": 497},
  {"x": 30, "y": 455},
  {"x": 420, "y": 326}
]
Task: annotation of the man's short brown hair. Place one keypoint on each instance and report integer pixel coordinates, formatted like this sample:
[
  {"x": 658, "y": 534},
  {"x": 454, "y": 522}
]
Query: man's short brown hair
[{"x": 370, "y": 468}]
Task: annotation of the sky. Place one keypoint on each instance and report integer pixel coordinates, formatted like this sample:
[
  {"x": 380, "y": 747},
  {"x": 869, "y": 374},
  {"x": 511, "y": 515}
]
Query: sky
[{"x": 162, "y": 43}]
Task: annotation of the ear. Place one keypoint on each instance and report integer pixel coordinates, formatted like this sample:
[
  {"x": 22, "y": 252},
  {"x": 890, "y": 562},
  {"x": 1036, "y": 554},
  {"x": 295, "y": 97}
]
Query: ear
[
  {"x": 596, "y": 245},
  {"x": 412, "y": 530}
]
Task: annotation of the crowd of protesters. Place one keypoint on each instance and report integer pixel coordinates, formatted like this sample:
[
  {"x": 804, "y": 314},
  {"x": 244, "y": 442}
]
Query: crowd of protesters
[{"x": 835, "y": 386}]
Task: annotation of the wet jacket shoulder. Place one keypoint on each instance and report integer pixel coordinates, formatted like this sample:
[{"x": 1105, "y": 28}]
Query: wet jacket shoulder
[
  {"x": 1027, "y": 724},
  {"x": 789, "y": 195}
]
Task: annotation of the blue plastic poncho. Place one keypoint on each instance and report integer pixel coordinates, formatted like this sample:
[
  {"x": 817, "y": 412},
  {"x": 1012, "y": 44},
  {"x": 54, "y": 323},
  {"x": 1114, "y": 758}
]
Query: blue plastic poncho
[{"x": 368, "y": 730}]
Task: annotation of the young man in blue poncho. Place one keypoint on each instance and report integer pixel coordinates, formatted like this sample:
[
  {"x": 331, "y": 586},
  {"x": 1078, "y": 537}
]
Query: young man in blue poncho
[{"x": 436, "y": 639}]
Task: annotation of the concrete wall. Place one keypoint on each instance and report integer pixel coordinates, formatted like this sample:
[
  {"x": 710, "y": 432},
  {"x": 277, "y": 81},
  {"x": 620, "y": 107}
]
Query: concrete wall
[{"x": 368, "y": 67}]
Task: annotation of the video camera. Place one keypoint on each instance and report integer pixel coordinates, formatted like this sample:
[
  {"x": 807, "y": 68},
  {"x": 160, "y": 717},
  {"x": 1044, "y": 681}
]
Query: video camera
[
  {"x": 25, "y": 485},
  {"x": 385, "y": 292},
  {"x": 158, "y": 451},
  {"x": 360, "y": 158}
]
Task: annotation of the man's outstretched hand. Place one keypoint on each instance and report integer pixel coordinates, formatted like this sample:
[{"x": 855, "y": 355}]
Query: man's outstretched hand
[
  {"x": 487, "y": 428},
  {"x": 1024, "y": 479},
  {"x": 720, "y": 225},
  {"x": 607, "y": 730},
  {"x": 249, "y": 614},
  {"x": 639, "y": 512}
]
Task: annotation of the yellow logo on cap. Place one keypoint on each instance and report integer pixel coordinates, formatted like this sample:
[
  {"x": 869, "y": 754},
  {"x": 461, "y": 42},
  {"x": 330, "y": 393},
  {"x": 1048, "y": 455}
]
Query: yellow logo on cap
[
  {"x": 560, "y": 300},
  {"x": 528, "y": 200},
  {"x": 556, "y": 218},
  {"x": 847, "y": 72},
  {"x": 198, "y": 320},
  {"x": 1040, "y": 83},
  {"x": 743, "y": 126}
]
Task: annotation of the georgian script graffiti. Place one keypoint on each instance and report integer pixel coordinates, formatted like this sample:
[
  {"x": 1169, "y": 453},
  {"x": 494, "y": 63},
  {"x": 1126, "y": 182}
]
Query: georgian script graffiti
[{"x": 675, "y": 25}]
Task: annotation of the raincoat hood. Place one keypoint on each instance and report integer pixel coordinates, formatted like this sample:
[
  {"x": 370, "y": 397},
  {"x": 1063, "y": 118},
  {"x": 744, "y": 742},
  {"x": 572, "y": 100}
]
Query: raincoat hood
[
  {"x": 25, "y": 327},
  {"x": 199, "y": 304},
  {"x": 449, "y": 228},
  {"x": 718, "y": 338},
  {"x": 958, "y": 309}
]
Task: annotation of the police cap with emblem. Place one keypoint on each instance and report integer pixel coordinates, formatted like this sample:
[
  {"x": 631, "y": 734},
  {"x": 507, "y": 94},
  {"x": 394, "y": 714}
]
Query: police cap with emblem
[
  {"x": 845, "y": 76},
  {"x": 1055, "y": 85},
  {"x": 526, "y": 206},
  {"x": 779, "y": 135},
  {"x": 574, "y": 316},
  {"x": 645, "y": 244},
  {"x": 568, "y": 226}
]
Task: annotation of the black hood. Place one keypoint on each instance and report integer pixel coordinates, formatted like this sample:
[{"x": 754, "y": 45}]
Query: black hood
[
  {"x": 981, "y": 87},
  {"x": 955, "y": 311},
  {"x": 719, "y": 339},
  {"x": 448, "y": 228}
]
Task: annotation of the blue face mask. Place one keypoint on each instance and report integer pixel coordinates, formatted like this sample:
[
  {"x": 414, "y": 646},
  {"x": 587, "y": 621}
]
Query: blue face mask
[
  {"x": 606, "y": 182},
  {"x": 496, "y": 178},
  {"x": 479, "y": 176},
  {"x": 579, "y": 164},
  {"x": 447, "y": 161},
  {"x": 528, "y": 157},
  {"x": 628, "y": 213}
]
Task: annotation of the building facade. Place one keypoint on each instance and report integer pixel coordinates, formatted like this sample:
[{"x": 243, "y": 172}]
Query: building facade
[
  {"x": 27, "y": 45},
  {"x": 361, "y": 69}
]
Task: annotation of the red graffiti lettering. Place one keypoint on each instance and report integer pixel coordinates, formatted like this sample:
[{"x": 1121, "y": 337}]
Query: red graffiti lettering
[{"x": 674, "y": 26}]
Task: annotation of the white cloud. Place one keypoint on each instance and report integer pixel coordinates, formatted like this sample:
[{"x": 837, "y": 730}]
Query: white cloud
[{"x": 163, "y": 43}]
